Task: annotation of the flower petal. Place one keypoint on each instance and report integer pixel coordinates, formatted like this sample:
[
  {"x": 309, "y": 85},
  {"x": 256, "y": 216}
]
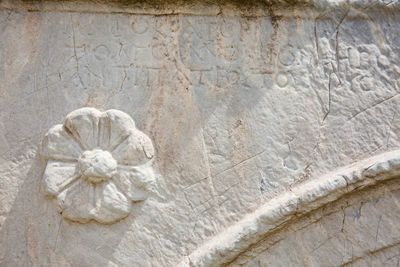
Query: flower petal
[
  {"x": 114, "y": 127},
  {"x": 77, "y": 201},
  {"x": 59, "y": 175},
  {"x": 111, "y": 204},
  {"x": 135, "y": 181},
  {"x": 59, "y": 145},
  {"x": 83, "y": 125},
  {"x": 136, "y": 149}
]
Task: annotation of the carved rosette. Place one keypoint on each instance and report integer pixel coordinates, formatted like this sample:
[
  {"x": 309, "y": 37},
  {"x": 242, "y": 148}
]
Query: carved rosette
[{"x": 98, "y": 163}]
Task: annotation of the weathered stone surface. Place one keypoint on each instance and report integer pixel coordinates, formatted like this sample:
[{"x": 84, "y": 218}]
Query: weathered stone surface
[{"x": 241, "y": 101}]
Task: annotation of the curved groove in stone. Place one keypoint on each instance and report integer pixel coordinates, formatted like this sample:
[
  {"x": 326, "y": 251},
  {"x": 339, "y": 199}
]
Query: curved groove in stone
[{"x": 299, "y": 200}]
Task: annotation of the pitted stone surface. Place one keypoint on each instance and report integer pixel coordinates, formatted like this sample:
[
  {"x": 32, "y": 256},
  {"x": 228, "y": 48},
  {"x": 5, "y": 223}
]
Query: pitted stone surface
[
  {"x": 97, "y": 165},
  {"x": 237, "y": 102}
]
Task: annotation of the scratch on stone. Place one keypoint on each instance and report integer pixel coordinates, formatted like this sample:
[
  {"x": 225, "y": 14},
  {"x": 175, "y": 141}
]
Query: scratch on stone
[
  {"x": 329, "y": 99},
  {"x": 374, "y": 105},
  {"x": 212, "y": 185},
  {"x": 321, "y": 102},
  {"x": 123, "y": 81},
  {"x": 316, "y": 37},
  {"x": 58, "y": 233},
  {"x": 187, "y": 200},
  {"x": 355, "y": 259},
  {"x": 196, "y": 182},
  {"x": 240, "y": 162},
  {"x": 390, "y": 129},
  {"x": 337, "y": 45},
  {"x": 120, "y": 49},
  {"x": 75, "y": 54},
  {"x": 226, "y": 190},
  {"x": 320, "y": 245},
  {"x": 344, "y": 219},
  {"x": 377, "y": 231}
]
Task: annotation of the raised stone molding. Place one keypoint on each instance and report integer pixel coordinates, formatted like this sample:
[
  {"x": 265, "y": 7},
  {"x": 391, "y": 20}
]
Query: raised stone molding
[
  {"x": 97, "y": 164},
  {"x": 297, "y": 201},
  {"x": 153, "y": 7}
]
